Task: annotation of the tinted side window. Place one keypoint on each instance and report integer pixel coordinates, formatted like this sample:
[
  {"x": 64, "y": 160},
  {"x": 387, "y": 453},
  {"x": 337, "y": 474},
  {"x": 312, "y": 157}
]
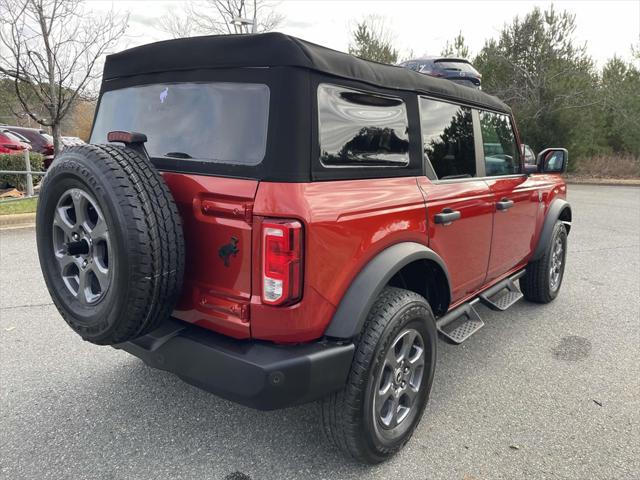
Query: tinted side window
[
  {"x": 501, "y": 156},
  {"x": 361, "y": 129},
  {"x": 447, "y": 138}
]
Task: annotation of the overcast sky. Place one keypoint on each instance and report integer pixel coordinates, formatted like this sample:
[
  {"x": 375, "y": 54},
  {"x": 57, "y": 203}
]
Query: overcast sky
[{"x": 608, "y": 27}]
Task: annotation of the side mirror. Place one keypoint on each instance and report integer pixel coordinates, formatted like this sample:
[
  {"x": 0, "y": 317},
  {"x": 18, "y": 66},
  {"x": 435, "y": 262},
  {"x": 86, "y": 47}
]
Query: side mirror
[
  {"x": 529, "y": 168},
  {"x": 553, "y": 160}
]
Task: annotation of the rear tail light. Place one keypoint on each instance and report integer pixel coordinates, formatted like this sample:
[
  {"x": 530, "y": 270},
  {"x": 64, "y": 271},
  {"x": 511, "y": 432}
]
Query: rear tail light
[
  {"x": 281, "y": 262},
  {"x": 12, "y": 146}
]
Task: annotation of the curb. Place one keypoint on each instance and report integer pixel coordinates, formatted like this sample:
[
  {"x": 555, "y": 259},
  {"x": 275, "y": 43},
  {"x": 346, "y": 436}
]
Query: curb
[
  {"x": 603, "y": 183},
  {"x": 17, "y": 220}
]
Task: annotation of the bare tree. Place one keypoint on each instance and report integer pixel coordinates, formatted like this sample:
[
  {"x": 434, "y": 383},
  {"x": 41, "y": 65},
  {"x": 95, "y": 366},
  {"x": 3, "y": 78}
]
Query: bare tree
[
  {"x": 51, "y": 50},
  {"x": 208, "y": 17},
  {"x": 178, "y": 26}
]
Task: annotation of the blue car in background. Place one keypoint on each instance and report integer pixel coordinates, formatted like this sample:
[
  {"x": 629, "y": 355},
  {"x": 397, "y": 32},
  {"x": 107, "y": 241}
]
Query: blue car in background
[{"x": 457, "y": 70}]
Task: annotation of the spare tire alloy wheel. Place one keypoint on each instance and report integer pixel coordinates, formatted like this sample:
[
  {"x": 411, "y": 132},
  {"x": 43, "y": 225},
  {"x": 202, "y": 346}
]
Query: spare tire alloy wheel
[
  {"x": 81, "y": 245},
  {"x": 110, "y": 242}
]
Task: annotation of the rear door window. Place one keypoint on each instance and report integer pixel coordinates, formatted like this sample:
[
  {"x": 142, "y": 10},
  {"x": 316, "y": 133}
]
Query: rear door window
[
  {"x": 359, "y": 129},
  {"x": 447, "y": 139},
  {"x": 210, "y": 122},
  {"x": 501, "y": 156}
]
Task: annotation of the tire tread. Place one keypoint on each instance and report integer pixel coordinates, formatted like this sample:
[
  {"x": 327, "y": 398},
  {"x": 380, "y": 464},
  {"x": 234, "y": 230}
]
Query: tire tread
[
  {"x": 153, "y": 230},
  {"x": 535, "y": 282},
  {"x": 341, "y": 412}
]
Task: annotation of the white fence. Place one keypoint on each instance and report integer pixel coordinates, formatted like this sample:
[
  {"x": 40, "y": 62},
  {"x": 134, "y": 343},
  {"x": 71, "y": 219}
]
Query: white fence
[{"x": 27, "y": 172}]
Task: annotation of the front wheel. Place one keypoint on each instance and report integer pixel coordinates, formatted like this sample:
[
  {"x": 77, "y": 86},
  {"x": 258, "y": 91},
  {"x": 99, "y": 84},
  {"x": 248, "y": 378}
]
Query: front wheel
[
  {"x": 543, "y": 278},
  {"x": 376, "y": 412}
]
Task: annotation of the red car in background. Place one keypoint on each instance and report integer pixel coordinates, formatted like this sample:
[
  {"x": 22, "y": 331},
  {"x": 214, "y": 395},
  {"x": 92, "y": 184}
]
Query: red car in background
[
  {"x": 40, "y": 141},
  {"x": 12, "y": 143}
]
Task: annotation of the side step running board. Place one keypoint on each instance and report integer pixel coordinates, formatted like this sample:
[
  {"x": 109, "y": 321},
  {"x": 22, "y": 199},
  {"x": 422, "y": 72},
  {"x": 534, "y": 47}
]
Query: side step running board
[
  {"x": 502, "y": 295},
  {"x": 459, "y": 324}
]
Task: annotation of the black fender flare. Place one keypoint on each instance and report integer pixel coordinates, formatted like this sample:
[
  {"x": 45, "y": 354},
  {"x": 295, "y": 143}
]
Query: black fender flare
[
  {"x": 557, "y": 208},
  {"x": 367, "y": 285}
]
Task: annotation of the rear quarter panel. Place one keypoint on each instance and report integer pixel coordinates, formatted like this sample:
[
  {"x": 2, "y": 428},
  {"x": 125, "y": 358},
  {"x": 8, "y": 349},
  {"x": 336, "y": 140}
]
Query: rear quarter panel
[{"x": 346, "y": 224}]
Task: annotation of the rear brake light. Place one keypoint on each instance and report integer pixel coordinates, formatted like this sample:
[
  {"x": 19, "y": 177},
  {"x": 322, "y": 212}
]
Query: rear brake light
[
  {"x": 126, "y": 137},
  {"x": 281, "y": 261}
]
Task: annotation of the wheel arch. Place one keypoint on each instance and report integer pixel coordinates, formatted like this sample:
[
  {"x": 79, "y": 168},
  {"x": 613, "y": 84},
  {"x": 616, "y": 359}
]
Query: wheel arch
[
  {"x": 408, "y": 265},
  {"x": 559, "y": 210}
]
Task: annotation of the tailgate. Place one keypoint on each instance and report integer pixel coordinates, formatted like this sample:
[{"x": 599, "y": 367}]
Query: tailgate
[{"x": 216, "y": 215}]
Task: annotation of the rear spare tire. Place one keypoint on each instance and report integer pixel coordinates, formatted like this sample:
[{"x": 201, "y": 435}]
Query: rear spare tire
[{"x": 110, "y": 242}]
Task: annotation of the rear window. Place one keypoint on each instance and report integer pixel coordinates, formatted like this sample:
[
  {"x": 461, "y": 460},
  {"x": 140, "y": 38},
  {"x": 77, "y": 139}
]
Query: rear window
[
  {"x": 14, "y": 137},
  {"x": 211, "y": 122},
  {"x": 456, "y": 66},
  {"x": 361, "y": 129}
]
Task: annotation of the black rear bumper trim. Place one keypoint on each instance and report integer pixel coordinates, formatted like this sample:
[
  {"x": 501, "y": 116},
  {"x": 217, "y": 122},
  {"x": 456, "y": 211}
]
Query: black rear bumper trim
[{"x": 257, "y": 374}]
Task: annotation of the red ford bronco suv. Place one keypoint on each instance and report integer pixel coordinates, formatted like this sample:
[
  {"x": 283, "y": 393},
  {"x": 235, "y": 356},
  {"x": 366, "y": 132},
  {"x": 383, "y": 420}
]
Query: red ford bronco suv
[{"x": 277, "y": 222}]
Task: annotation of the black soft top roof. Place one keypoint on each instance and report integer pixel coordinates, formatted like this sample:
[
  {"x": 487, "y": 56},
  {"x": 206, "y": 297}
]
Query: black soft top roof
[{"x": 279, "y": 50}]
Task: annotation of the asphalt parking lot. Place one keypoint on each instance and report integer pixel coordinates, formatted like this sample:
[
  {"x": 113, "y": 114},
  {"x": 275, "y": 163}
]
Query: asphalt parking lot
[{"x": 542, "y": 392}]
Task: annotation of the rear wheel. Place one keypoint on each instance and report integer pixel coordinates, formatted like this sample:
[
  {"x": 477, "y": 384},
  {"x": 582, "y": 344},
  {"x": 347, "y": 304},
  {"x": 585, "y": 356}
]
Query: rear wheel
[
  {"x": 375, "y": 414},
  {"x": 110, "y": 242},
  {"x": 543, "y": 278}
]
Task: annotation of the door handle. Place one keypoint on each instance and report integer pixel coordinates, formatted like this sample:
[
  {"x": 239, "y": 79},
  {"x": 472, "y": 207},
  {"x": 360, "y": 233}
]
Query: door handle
[
  {"x": 504, "y": 204},
  {"x": 446, "y": 216}
]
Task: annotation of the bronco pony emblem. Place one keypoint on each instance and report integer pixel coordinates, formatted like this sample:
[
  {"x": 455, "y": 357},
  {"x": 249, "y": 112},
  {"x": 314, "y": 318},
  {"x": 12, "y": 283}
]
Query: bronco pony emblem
[{"x": 229, "y": 249}]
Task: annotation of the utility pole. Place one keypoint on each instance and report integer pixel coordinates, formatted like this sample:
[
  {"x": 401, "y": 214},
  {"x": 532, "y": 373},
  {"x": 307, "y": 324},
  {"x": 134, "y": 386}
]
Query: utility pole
[
  {"x": 243, "y": 22},
  {"x": 254, "y": 26}
]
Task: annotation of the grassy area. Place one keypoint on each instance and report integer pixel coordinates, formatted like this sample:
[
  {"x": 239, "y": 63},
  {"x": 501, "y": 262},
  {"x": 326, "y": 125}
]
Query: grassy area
[
  {"x": 28, "y": 205},
  {"x": 608, "y": 166}
]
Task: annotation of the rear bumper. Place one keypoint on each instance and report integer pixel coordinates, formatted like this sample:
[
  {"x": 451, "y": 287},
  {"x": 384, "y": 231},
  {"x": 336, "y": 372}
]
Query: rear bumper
[{"x": 256, "y": 374}]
